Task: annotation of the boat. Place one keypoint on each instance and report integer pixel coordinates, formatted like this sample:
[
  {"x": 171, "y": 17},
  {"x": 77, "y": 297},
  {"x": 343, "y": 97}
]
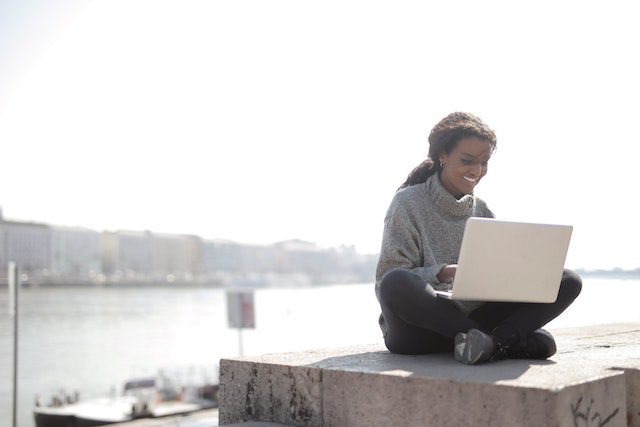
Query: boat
[
  {"x": 151, "y": 397},
  {"x": 93, "y": 412}
]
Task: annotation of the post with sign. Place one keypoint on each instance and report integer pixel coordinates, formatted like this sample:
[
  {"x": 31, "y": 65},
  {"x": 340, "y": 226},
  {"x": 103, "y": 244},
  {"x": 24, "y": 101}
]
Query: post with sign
[{"x": 241, "y": 313}]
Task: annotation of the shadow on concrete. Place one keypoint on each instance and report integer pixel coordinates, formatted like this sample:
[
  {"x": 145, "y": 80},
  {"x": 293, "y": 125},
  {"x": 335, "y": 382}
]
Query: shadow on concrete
[{"x": 432, "y": 366}]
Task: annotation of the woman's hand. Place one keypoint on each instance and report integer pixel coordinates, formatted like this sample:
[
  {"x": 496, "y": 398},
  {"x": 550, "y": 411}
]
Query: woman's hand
[{"x": 447, "y": 274}]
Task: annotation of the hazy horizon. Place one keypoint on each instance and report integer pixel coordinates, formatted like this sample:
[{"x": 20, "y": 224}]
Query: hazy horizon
[{"x": 261, "y": 122}]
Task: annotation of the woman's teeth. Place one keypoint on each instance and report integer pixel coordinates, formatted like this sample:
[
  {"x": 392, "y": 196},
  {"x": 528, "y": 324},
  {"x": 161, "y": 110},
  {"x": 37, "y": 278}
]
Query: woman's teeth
[{"x": 470, "y": 179}]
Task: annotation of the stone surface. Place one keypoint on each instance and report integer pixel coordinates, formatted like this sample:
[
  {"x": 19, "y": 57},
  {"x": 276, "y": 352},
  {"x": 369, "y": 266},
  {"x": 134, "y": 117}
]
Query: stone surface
[
  {"x": 615, "y": 347},
  {"x": 270, "y": 392},
  {"x": 594, "y": 380},
  {"x": 437, "y": 391},
  {"x": 632, "y": 377}
]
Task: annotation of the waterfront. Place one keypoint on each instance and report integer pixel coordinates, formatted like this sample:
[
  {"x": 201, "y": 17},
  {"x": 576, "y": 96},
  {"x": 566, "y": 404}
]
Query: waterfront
[{"x": 92, "y": 339}]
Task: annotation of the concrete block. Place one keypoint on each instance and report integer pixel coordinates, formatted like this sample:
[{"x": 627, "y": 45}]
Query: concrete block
[
  {"x": 437, "y": 391},
  {"x": 632, "y": 382},
  {"x": 614, "y": 347},
  {"x": 285, "y": 388},
  {"x": 269, "y": 392},
  {"x": 594, "y": 380},
  {"x": 357, "y": 399}
]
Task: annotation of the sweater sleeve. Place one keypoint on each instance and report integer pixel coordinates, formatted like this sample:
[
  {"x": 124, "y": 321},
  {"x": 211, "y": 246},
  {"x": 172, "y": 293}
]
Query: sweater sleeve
[{"x": 403, "y": 247}]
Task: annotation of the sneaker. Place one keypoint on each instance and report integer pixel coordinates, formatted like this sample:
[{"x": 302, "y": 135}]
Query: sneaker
[
  {"x": 538, "y": 345},
  {"x": 476, "y": 347}
]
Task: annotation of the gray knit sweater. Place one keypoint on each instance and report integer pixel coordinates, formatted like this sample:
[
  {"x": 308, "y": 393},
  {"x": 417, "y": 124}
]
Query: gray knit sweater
[{"x": 423, "y": 233}]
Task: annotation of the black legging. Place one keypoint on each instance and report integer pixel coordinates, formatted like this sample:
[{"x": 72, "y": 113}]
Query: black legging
[{"x": 418, "y": 322}]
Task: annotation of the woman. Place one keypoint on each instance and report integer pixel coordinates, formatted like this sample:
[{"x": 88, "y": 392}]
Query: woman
[{"x": 420, "y": 246}]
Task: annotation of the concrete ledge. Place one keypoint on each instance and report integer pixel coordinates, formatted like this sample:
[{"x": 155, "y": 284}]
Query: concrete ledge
[{"x": 594, "y": 380}]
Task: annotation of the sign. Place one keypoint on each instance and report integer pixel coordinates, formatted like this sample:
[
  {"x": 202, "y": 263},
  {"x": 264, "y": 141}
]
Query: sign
[{"x": 241, "y": 310}]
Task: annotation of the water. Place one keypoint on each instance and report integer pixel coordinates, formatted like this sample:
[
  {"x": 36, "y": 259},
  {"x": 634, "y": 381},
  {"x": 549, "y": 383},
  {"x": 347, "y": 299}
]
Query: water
[{"x": 92, "y": 340}]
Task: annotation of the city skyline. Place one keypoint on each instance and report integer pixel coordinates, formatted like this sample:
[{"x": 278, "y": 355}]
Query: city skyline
[
  {"x": 161, "y": 232},
  {"x": 49, "y": 254}
]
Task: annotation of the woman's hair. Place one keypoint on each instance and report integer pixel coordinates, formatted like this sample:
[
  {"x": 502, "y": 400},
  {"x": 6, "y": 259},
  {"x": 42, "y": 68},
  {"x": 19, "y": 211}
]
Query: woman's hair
[{"x": 443, "y": 138}]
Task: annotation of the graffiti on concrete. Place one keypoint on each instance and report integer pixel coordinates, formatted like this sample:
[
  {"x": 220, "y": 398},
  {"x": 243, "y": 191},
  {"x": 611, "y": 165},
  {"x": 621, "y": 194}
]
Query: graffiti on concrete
[{"x": 583, "y": 412}]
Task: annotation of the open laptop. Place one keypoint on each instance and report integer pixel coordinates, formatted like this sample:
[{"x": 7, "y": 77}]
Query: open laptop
[{"x": 510, "y": 261}]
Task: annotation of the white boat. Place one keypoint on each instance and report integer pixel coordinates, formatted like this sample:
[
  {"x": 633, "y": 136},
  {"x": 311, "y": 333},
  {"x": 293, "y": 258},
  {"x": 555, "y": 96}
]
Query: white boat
[
  {"x": 94, "y": 412},
  {"x": 142, "y": 398}
]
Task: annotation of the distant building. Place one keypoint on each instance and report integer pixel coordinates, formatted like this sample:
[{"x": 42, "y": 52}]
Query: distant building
[
  {"x": 324, "y": 265},
  {"x": 151, "y": 256},
  {"x": 299, "y": 256},
  {"x": 195, "y": 255},
  {"x": 223, "y": 256},
  {"x": 109, "y": 252},
  {"x": 27, "y": 244},
  {"x": 128, "y": 253},
  {"x": 176, "y": 256},
  {"x": 233, "y": 257},
  {"x": 259, "y": 259},
  {"x": 75, "y": 252}
]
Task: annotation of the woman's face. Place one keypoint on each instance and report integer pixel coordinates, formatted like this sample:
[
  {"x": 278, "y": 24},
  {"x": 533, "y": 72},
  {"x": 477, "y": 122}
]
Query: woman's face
[{"x": 465, "y": 166}]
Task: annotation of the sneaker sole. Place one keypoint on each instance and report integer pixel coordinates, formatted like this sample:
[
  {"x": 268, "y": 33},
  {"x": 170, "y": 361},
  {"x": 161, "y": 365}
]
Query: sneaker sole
[
  {"x": 459, "y": 344},
  {"x": 472, "y": 347}
]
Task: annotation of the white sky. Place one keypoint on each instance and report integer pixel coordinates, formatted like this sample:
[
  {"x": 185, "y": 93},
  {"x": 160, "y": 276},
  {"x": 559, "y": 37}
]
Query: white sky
[{"x": 260, "y": 121}]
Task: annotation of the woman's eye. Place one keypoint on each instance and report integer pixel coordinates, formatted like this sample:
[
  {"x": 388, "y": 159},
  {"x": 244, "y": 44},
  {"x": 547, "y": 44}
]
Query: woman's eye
[{"x": 467, "y": 161}]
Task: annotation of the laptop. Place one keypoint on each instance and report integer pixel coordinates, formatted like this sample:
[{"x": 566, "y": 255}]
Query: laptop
[{"x": 510, "y": 261}]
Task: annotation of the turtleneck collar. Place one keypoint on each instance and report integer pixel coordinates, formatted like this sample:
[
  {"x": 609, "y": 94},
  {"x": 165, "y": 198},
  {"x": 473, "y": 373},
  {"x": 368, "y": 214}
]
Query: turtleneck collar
[{"x": 445, "y": 201}]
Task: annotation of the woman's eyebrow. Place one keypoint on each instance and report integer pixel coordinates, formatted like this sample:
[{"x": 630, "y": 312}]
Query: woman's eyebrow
[{"x": 472, "y": 156}]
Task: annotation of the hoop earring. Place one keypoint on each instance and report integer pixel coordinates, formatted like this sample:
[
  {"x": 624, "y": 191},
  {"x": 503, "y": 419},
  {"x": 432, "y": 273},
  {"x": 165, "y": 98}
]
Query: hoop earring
[{"x": 441, "y": 165}]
